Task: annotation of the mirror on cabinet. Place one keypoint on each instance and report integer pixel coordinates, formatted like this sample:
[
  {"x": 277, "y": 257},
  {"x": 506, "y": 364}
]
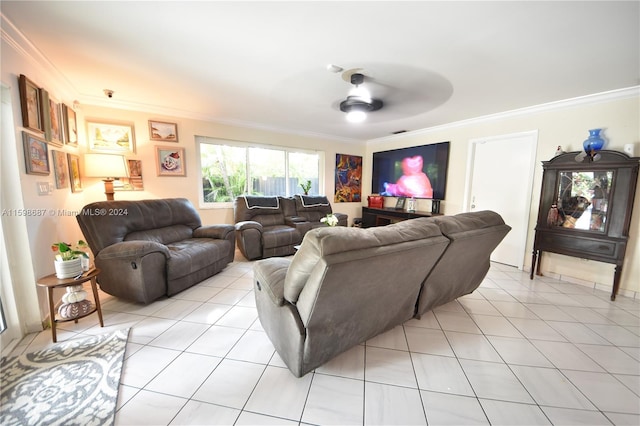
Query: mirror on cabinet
[{"x": 582, "y": 200}]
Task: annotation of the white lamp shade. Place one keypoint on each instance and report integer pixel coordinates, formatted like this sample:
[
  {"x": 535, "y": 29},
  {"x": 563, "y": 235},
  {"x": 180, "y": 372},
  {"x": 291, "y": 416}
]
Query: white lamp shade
[{"x": 105, "y": 166}]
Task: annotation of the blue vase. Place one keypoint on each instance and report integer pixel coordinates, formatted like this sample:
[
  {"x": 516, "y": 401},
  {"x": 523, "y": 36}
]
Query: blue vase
[{"x": 594, "y": 142}]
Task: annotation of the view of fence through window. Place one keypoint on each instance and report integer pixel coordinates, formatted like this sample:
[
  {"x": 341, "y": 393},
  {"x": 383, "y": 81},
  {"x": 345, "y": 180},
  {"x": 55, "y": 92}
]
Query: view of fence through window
[{"x": 229, "y": 171}]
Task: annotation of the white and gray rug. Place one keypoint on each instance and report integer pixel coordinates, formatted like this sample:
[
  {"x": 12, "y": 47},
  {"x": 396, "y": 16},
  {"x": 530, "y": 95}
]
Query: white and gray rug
[{"x": 70, "y": 383}]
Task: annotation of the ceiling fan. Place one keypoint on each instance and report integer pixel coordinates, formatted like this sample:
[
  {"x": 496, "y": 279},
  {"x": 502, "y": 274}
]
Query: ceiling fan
[{"x": 359, "y": 101}]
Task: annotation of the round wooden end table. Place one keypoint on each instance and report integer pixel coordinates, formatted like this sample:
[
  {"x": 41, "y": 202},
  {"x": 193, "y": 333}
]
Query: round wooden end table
[{"x": 51, "y": 282}]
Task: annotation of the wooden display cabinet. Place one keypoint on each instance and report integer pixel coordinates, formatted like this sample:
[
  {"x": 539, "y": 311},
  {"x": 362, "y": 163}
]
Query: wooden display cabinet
[{"x": 585, "y": 208}]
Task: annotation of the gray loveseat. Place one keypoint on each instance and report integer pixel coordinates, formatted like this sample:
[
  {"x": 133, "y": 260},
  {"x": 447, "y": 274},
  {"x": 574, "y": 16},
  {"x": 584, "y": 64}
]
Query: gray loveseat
[
  {"x": 273, "y": 226},
  {"x": 347, "y": 285},
  {"x": 152, "y": 248}
]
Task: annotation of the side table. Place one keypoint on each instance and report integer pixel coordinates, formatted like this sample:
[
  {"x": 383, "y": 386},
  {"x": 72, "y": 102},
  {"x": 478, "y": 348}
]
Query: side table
[{"x": 51, "y": 282}]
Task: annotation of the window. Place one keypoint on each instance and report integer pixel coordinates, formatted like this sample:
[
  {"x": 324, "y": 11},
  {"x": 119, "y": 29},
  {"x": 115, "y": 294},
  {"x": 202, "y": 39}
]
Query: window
[{"x": 230, "y": 169}]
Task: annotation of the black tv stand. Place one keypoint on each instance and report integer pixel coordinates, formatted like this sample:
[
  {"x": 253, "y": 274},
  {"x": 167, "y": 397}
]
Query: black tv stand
[{"x": 381, "y": 217}]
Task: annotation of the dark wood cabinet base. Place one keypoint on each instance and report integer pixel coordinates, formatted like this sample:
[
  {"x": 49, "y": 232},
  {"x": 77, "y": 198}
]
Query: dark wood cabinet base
[{"x": 381, "y": 217}]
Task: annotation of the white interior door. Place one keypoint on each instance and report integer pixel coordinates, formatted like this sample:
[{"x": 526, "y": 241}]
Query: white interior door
[{"x": 500, "y": 178}]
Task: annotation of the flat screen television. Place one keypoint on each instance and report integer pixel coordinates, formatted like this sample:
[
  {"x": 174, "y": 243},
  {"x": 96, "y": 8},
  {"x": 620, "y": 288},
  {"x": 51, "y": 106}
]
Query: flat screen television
[{"x": 418, "y": 171}]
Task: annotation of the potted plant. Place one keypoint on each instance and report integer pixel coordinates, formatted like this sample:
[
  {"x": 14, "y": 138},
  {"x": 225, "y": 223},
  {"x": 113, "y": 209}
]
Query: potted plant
[
  {"x": 330, "y": 220},
  {"x": 68, "y": 260},
  {"x": 306, "y": 187}
]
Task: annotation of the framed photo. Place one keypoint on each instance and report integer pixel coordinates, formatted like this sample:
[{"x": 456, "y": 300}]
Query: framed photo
[
  {"x": 70, "y": 126},
  {"x": 170, "y": 161},
  {"x": 134, "y": 181},
  {"x": 162, "y": 131},
  {"x": 31, "y": 103},
  {"x": 36, "y": 154},
  {"x": 51, "y": 116},
  {"x": 74, "y": 173},
  {"x": 111, "y": 137},
  {"x": 400, "y": 203},
  {"x": 60, "y": 168}
]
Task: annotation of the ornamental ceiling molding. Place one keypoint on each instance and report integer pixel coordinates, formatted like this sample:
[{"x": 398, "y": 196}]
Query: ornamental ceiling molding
[{"x": 613, "y": 95}]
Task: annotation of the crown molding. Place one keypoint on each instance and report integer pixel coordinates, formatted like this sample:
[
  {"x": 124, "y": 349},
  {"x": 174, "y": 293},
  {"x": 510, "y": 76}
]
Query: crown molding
[
  {"x": 23, "y": 47},
  {"x": 612, "y": 95}
]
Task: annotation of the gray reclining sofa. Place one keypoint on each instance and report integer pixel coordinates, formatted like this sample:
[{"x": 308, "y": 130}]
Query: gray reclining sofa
[
  {"x": 152, "y": 248},
  {"x": 347, "y": 285}
]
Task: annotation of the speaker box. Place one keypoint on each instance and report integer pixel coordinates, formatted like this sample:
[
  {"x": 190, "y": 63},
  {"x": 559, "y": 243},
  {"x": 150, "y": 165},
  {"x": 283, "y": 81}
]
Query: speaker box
[{"x": 435, "y": 206}]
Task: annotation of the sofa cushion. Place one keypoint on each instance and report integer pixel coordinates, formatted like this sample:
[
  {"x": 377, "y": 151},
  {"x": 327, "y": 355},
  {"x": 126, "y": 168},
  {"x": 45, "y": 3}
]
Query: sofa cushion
[
  {"x": 255, "y": 202},
  {"x": 312, "y": 201},
  {"x": 280, "y": 235},
  {"x": 450, "y": 225},
  {"x": 166, "y": 235},
  {"x": 193, "y": 254},
  {"x": 325, "y": 241},
  {"x": 258, "y": 209},
  {"x": 125, "y": 217},
  {"x": 288, "y": 205},
  {"x": 473, "y": 237},
  {"x": 266, "y": 220}
]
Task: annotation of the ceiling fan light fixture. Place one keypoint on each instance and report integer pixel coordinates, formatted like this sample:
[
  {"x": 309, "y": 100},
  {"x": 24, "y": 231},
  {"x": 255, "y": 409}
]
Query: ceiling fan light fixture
[
  {"x": 356, "y": 116},
  {"x": 359, "y": 101}
]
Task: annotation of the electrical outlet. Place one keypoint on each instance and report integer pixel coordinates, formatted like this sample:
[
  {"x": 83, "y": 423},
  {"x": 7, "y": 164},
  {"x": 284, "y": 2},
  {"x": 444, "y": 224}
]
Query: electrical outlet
[{"x": 44, "y": 188}]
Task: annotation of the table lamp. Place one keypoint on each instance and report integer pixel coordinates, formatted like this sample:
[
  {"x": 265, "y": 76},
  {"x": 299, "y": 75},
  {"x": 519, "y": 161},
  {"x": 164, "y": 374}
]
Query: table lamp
[{"x": 106, "y": 166}]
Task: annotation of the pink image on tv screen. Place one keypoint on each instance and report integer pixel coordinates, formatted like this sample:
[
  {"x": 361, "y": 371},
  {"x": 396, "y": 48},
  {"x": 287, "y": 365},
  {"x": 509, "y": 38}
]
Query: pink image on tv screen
[{"x": 413, "y": 182}]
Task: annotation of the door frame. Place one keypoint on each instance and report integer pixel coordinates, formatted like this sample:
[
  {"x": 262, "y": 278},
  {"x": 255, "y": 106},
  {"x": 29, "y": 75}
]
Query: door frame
[
  {"x": 526, "y": 214},
  {"x": 13, "y": 333}
]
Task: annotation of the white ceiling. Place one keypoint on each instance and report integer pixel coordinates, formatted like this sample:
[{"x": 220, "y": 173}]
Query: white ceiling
[{"x": 263, "y": 63}]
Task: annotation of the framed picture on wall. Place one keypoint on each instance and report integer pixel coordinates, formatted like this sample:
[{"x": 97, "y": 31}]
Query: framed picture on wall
[
  {"x": 111, "y": 137},
  {"x": 36, "y": 154},
  {"x": 347, "y": 178},
  {"x": 60, "y": 168},
  {"x": 31, "y": 104},
  {"x": 134, "y": 181},
  {"x": 170, "y": 161},
  {"x": 70, "y": 126},
  {"x": 54, "y": 131},
  {"x": 74, "y": 173},
  {"x": 162, "y": 131}
]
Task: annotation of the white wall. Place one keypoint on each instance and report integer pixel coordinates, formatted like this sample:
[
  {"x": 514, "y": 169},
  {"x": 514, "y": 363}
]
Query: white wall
[
  {"x": 189, "y": 186},
  {"x": 564, "y": 124}
]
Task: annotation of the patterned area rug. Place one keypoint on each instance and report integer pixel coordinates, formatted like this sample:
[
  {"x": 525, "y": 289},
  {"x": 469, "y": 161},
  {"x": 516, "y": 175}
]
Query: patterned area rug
[{"x": 70, "y": 383}]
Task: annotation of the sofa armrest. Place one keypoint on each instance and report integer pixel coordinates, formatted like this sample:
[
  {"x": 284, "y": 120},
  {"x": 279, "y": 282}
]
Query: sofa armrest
[
  {"x": 133, "y": 249},
  {"x": 300, "y": 223},
  {"x": 269, "y": 275},
  {"x": 342, "y": 219},
  {"x": 220, "y": 232},
  {"x": 290, "y": 220},
  {"x": 248, "y": 224},
  {"x": 303, "y": 227}
]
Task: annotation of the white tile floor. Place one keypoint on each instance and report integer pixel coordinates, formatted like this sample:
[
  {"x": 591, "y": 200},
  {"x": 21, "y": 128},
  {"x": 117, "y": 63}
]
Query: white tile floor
[{"x": 514, "y": 352}]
